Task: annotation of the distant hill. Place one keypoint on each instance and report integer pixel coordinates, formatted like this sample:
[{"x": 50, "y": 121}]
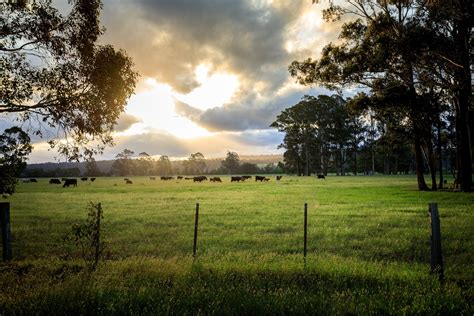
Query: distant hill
[{"x": 105, "y": 165}]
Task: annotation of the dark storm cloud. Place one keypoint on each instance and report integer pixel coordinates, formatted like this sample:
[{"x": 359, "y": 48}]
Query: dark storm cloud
[
  {"x": 168, "y": 39},
  {"x": 250, "y": 113}
]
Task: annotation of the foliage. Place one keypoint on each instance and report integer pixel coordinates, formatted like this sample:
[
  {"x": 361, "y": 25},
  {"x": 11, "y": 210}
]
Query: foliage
[
  {"x": 56, "y": 76},
  {"x": 164, "y": 166},
  {"x": 14, "y": 150},
  {"x": 88, "y": 236},
  {"x": 406, "y": 54},
  {"x": 195, "y": 164},
  {"x": 231, "y": 162},
  {"x": 123, "y": 164}
]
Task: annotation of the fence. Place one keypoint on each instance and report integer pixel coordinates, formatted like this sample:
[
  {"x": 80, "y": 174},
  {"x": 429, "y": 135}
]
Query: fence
[{"x": 436, "y": 258}]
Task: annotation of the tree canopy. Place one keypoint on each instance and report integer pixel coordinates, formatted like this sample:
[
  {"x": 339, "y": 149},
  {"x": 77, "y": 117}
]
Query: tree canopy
[{"x": 55, "y": 76}]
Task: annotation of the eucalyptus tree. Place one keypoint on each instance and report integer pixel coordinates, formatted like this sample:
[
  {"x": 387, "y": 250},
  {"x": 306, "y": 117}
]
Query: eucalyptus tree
[
  {"x": 231, "y": 162},
  {"x": 55, "y": 76}
]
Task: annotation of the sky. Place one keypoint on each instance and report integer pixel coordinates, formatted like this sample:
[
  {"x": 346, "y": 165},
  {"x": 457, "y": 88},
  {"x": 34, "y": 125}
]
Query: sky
[{"x": 213, "y": 73}]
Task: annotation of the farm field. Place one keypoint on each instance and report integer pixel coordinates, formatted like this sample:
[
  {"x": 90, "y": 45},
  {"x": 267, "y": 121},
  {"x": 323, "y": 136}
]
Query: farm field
[{"x": 368, "y": 248}]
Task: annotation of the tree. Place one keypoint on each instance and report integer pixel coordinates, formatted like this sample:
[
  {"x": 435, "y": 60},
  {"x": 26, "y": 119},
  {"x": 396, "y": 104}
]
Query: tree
[
  {"x": 231, "y": 162},
  {"x": 123, "y": 164},
  {"x": 144, "y": 164},
  {"x": 92, "y": 170},
  {"x": 195, "y": 164},
  {"x": 53, "y": 71},
  {"x": 164, "y": 167},
  {"x": 14, "y": 150}
]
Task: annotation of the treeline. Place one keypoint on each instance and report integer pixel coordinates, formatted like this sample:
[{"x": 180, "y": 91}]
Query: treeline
[
  {"x": 414, "y": 61},
  {"x": 328, "y": 134}
]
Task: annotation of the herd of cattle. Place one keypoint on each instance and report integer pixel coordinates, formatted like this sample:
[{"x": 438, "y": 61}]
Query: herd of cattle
[{"x": 66, "y": 182}]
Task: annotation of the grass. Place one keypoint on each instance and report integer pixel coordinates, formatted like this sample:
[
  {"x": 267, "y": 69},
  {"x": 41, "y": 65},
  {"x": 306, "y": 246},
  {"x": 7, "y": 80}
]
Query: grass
[{"x": 368, "y": 248}]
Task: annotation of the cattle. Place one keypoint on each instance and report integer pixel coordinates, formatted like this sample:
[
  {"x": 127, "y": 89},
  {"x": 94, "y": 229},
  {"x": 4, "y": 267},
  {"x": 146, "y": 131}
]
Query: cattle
[
  {"x": 33, "y": 180},
  {"x": 199, "y": 178},
  {"x": 266, "y": 179},
  {"x": 125, "y": 179},
  {"x": 166, "y": 178},
  {"x": 69, "y": 182},
  {"x": 128, "y": 182},
  {"x": 235, "y": 179},
  {"x": 259, "y": 178},
  {"x": 84, "y": 179},
  {"x": 54, "y": 181},
  {"x": 278, "y": 178},
  {"x": 321, "y": 176},
  {"x": 246, "y": 177},
  {"x": 188, "y": 178},
  {"x": 216, "y": 179},
  {"x": 179, "y": 177},
  {"x": 92, "y": 179}
]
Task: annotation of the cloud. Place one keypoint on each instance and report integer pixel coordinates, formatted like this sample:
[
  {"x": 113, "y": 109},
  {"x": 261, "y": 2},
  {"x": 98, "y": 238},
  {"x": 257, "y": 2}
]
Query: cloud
[
  {"x": 251, "y": 113},
  {"x": 125, "y": 121}
]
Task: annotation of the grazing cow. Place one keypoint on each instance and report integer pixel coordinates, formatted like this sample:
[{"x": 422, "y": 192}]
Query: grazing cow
[
  {"x": 321, "y": 176},
  {"x": 92, "y": 179},
  {"x": 278, "y": 178},
  {"x": 84, "y": 179},
  {"x": 33, "y": 180},
  {"x": 246, "y": 177},
  {"x": 216, "y": 179},
  {"x": 259, "y": 178},
  {"x": 54, "y": 181},
  {"x": 236, "y": 179},
  {"x": 69, "y": 182},
  {"x": 128, "y": 182},
  {"x": 166, "y": 178},
  {"x": 125, "y": 179},
  {"x": 266, "y": 179},
  {"x": 199, "y": 178},
  {"x": 152, "y": 178},
  {"x": 180, "y": 177}
]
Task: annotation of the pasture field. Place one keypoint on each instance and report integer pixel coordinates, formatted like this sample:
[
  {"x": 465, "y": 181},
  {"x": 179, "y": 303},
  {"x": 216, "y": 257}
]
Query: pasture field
[{"x": 368, "y": 248}]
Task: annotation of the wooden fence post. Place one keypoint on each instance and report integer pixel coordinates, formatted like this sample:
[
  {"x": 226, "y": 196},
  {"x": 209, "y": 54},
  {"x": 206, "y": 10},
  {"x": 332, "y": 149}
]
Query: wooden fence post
[
  {"x": 305, "y": 229},
  {"x": 196, "y": 230},
  {"x": 6, "y": 233},
  {"x": 435, "y": 242}
]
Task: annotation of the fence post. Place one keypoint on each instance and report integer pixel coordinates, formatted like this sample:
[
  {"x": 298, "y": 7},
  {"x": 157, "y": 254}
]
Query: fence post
[
  {"x": 305, "y": 229},
  {"x": 196, "y": 230},
  {"x": 6, "y": 233},
  {"x": 435, "y": 242}
]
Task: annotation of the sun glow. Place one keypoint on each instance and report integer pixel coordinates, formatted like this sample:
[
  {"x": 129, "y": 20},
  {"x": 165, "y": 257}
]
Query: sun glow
[{"x": 214, "y": 90}]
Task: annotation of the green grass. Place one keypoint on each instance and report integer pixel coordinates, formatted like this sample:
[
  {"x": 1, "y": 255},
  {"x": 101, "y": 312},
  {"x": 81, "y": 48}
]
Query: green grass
[{"x": 368, "y": 248}]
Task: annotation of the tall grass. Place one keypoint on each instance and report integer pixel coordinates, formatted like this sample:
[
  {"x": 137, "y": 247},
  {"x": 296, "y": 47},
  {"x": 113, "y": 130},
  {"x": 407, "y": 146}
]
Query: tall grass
[{"x": 368, "y": 248}]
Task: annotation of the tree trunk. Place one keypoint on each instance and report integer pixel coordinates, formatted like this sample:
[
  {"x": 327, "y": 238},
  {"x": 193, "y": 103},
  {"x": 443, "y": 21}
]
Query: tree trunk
[
  {"x": 355, "y": 160},
  {"x": 439, "y": 149},
  {"x": 419, "y": 162},
  {"x": 432, "y": 166},
  {"x": 461, "y": 32}
]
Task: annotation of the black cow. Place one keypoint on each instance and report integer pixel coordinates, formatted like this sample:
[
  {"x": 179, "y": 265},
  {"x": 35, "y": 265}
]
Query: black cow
[
  {"x": 54, "y": 181},
  {"x": 92, "y": 179},
  {"x": 235, "y": 179},
  {"x": 69, "y": 182},
  {"x": 259, "y": 178},
  {"x": 278, "y": 178},
  {"x": 166, "y": 178},
  {"x": 188, "y": 178},
  {"x": 128, "y": 182},
  {"x": 216, "y": 179},
  {"x": 266, "y": 179},
  {"x": 180, "y": 177},
  {"x": 199, "y": 178},
  {"x": 84, "y": 179},
  {"x": 321, "y": 176},
  {"x": 33, "y": 180}
]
